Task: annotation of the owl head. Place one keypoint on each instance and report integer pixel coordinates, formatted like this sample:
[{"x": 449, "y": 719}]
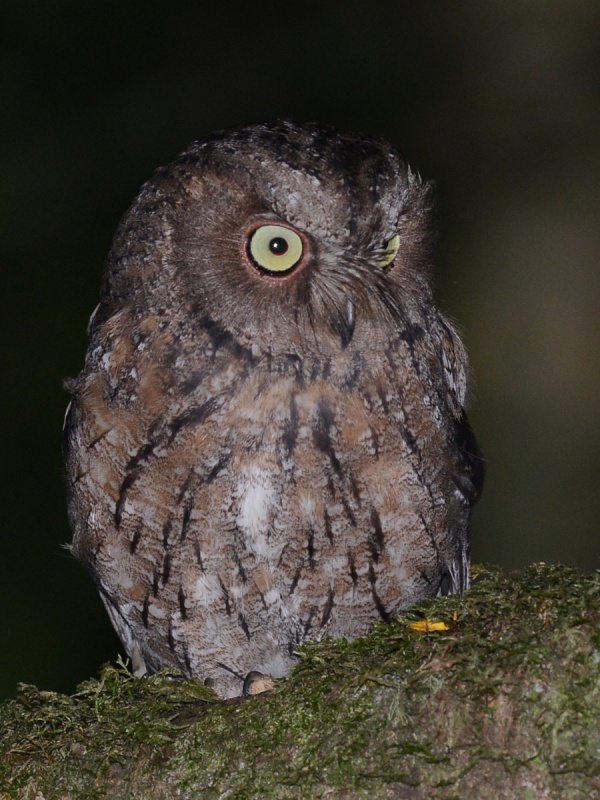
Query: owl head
[{"x": 287, "y": 235}]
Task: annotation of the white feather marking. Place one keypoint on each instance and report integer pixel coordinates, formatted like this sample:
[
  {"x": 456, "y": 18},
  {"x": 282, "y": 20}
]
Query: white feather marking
[
  {"x": 208, "y": 590},
  {"x": 66, "y": 415},
  {"x": 449, "y": 373},
  {"x": 257, "y": 502},
  {"x": 272, "y": 596},
  {"x": 92, "y": 318}
]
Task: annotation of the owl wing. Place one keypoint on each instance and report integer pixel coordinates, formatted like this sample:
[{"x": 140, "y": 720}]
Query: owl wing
[{"x": 470, "y": 470}]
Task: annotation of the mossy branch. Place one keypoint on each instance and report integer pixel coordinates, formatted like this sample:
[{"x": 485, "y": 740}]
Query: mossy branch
[{"x": 502, "y": 702}]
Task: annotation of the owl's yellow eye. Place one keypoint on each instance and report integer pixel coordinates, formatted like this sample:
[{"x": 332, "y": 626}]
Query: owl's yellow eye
[
  {"x": 275, "y": 249},
  {"x": 391, "y": 251}
]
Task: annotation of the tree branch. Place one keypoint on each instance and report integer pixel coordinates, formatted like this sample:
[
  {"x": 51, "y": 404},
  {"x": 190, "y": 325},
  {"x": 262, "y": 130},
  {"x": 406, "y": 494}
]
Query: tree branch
[{"x": 502, "y": 700}]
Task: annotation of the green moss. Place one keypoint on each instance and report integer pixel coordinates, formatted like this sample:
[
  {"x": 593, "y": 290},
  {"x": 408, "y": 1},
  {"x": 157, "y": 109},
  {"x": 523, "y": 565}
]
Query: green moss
[{"x": 506, "y": 701}]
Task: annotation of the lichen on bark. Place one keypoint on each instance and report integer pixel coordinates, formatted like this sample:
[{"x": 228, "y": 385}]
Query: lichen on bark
[{"x": 503, "y": 702}]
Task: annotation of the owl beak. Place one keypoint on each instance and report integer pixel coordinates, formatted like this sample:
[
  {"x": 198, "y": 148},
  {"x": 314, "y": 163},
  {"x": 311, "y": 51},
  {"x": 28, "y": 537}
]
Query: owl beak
[{"x": 344, "y": 322}]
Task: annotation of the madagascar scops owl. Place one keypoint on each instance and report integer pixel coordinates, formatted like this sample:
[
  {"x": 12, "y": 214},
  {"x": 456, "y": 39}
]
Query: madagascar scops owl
[{"x": 268, "y": 441}]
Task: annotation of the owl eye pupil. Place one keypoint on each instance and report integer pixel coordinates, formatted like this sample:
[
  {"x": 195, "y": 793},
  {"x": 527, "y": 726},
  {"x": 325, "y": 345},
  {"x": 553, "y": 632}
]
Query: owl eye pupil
[
  {"x": 274, "y": 249},
  {"x": 278, "y": 246}
]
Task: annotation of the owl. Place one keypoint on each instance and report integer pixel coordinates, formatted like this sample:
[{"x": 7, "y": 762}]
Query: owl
[{"x": 268, "y": 442}]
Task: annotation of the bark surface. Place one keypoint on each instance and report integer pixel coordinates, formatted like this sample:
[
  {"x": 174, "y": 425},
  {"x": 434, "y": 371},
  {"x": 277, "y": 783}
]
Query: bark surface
[{"x": 495, "y": 695}]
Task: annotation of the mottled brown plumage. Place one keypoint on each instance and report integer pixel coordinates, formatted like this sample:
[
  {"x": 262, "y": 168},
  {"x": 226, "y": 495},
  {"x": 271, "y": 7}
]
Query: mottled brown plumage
[{"x": 267, "y": 442}]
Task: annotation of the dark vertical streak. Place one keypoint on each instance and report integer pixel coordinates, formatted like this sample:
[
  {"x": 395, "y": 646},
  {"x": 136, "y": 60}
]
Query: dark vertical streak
[
  {"x": 170, "y": 639},
  {"x": 166, "y": 573},
  {"x": 127, "y": 483},
  {"x": 132, "y": 472},
  {"x": 198, "y": 555},
  {"x": 193, "y": 416},
  {"x": 328, "y": 530},
  {"x": 221, "y": 463},
  {"x": 181, "y": 599},
  {"x": 381, "y": 609},
  {"x": 241, "y": 571},
  {"x": 377, "y": 541},
  {"x": 142, "y": 455},
  {"x": 343, "y": 322},
  {"x": 412, "y": 334},
  {"x": 136, "y": 537},
  {"x": 185, "y": 486},
  {"x": 290, "y": 428},
  {"x": 328, "y": 608},
  {"x": 99, "y": 438},
  {"x": 352, "y": 568},
  {"x": 308, "y": 623},
  {"x": 186, "y": 657},
  {"x": 187, "y": 515},
  {"x": 226, "y": 598},
  {"x": 425, "y": 577},
  {"x": 348, "y": 511},
  {"x": 322, "y": 435},
  {"x": 375, "y": 441},
  {"x": 193, "y": 381},
  {"x": 355, "y": 489},
  {"x": 166, "y": 531},
  {"x": 145, "y": 608},
  {"x": 244, "y": 625},
  {"x": 295, "y": 579}
]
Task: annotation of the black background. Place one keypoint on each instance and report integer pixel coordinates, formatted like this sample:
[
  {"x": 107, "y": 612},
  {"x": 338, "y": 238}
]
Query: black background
[{"x": 498, "y": 102}]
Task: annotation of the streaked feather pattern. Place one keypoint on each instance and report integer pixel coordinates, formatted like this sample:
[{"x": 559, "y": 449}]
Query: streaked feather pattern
[{"x": 255, "y": 461}]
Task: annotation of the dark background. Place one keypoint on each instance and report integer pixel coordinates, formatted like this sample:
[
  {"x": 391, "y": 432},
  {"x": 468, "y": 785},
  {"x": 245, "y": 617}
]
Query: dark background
[{"x": 498, "y": 102}]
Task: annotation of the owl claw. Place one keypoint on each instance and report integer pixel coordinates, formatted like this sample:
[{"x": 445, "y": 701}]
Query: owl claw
[
  {"x": 138, "y": 665},
  {"x": 257, "y": 683}
]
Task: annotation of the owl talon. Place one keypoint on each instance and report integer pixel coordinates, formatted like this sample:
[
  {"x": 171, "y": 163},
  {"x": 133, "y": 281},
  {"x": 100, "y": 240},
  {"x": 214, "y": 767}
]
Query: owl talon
[
  {"x": 257, "y": 683},
  {"x": 138, "y": 665}
]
